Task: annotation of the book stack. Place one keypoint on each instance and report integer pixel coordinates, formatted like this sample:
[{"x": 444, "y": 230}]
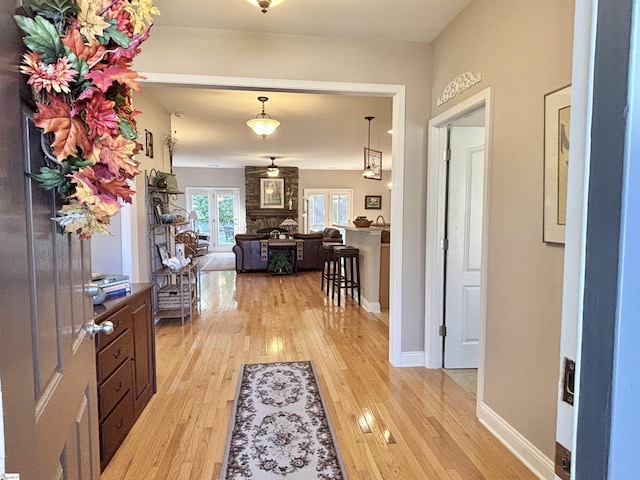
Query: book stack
[{"x": 115, "y": 285}]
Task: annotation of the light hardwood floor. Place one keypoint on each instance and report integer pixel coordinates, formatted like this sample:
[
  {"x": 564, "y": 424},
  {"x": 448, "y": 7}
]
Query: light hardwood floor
[{"x": 390, "y": 423}]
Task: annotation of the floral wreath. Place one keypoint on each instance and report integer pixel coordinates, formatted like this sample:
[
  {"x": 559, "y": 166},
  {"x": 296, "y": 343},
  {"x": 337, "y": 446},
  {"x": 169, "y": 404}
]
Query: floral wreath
[{"x": 79, "y": 68}]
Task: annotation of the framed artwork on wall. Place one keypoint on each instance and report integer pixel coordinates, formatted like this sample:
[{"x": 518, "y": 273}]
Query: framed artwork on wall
[
  {"x": 557, "y": 122},
  {"x": 272, "y": 193},
  {"x": 373, "y": 202},
  {"x": 373, "y": 161},
  {"x": 148, "y": 141}
]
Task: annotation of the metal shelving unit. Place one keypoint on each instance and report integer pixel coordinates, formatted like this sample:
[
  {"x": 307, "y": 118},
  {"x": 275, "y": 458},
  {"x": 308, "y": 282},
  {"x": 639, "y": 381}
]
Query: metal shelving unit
[{"x": 176, "y": 292}]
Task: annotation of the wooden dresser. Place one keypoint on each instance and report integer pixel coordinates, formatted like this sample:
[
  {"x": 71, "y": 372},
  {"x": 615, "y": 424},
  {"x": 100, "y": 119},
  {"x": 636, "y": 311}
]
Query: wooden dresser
[{"x": 125, "y": 364}]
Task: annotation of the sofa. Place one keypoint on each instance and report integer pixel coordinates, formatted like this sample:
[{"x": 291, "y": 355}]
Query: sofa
[
  {"x": 248, "y": 254},
  {"x": 312, "y": 258}
]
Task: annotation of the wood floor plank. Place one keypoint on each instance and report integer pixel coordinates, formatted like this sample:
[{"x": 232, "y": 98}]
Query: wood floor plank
[{"x": 390, "y": 423}]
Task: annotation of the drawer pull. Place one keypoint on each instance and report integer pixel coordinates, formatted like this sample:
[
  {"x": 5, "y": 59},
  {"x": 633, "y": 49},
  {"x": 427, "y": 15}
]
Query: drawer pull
[
  {"x": 120, "y": 424},
  {"x": 118, "y": 387},
  {"x": 118, "y": 353}
]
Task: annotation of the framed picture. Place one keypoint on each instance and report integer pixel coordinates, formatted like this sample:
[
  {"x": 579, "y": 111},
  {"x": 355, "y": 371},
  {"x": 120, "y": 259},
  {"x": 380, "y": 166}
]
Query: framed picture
[
  {"x": 272, "y": 193},
  {"x": 373, "y": 160},
  {"x": 373, "y": 202},
  {"x": 148, "y": 143},
  {"x": 164, "y": 253},
  {"x": 557, "y": 122}
]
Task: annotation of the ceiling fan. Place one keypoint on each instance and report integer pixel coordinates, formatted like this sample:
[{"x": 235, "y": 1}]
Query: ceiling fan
[{"x": 273, "y": 170}]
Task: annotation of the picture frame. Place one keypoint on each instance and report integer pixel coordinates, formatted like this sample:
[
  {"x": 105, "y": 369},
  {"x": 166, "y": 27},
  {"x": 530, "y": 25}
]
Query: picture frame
[
  {"x": 373, "y": 160},
  {"x": 557, "y": 123},
  {"x": 163, "y": 253},
  {"x": 373, "y": 202},
  {"x": 272, "y": 193},
  {"x": 148, "y": 143}
]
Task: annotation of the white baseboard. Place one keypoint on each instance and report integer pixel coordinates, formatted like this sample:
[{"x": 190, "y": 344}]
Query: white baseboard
[
  {"x": 412, "y": 359},
  {"x": 536, "y": 461},
  {"x": 371, "y": 307}
]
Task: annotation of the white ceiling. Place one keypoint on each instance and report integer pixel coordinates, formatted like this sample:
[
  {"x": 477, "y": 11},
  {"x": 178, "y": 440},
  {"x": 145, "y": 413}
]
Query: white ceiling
[{"x": 316, "y": 131}]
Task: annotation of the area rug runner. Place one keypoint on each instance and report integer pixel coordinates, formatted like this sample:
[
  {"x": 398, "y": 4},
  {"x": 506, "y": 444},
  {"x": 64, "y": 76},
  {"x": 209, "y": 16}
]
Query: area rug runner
[
  {"x": 219, "y": 261},
  {"x": 279, "y": 428}
]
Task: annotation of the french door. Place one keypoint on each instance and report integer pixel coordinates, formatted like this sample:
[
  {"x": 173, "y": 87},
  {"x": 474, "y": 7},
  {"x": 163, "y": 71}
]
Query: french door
[
  {"x": 326, "y": 208},
  {"x": 217, "y": 215}
]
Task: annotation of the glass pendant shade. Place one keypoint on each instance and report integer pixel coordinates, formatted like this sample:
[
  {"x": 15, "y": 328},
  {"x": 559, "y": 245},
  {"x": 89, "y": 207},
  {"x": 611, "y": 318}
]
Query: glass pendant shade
[
  {"x": 368, "y": 172},
  {"x": 272, "y": 171},
  {"x": 263, "y": 126}
]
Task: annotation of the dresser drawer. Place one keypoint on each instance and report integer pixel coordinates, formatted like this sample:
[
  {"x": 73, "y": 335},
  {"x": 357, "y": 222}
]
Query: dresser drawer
[
  {"x": 121, "y": 321},
  {"x": 114, "y": 388},
  {"x": 115, "y": 427},
  {"x": 114, "y": 355}
]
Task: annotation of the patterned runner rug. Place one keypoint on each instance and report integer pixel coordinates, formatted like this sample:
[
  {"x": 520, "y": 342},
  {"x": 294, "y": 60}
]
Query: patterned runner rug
[{"x": 279, "y": 428}]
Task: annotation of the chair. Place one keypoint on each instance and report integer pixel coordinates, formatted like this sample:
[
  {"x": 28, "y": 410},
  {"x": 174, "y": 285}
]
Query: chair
[{"x": 189, "y": 239}]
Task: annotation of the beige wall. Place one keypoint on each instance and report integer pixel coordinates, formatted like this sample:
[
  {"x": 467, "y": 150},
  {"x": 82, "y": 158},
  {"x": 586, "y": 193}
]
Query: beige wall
[
  {"x": 234, "y": 177},
  {"x": 158, "y": 121},
  {"x": 351, "y": 180},
  {"x": 294, "y": 57},
  {"x": 523, "y": 50}
]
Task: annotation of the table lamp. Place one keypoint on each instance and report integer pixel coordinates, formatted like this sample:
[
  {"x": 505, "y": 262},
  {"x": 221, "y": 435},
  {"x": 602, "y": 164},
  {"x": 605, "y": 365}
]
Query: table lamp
[{"x": 287, "y": 223}]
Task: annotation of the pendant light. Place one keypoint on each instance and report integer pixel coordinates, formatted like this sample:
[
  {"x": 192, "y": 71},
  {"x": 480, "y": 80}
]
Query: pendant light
[
  {"x": 273, "y": 170},
  {"x": 265, "y": 4},
  {"x": 263, "y": 124},
  {"x": 368, "y": 171}
]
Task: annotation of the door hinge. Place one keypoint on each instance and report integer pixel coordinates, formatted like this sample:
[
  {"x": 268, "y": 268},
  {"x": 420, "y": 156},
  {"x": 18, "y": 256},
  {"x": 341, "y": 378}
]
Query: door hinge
[
  {"x": 447, "y": 155},
  {"x": 442, "y": 330},
  {"x": 444, "y": 244}
]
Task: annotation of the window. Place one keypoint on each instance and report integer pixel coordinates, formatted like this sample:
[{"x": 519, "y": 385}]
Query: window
[{"x": 326, "y": 208}]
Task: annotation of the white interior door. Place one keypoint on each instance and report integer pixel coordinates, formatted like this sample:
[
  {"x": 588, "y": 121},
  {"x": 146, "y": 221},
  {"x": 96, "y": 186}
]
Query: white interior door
[{"x": 463, "y": 260}]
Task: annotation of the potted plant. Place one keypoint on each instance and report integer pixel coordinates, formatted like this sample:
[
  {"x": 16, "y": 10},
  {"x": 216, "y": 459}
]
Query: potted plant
[{"x": 279, "y": 263}]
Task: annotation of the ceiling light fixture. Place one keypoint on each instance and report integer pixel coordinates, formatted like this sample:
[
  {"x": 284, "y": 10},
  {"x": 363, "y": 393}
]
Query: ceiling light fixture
[
  {"x": 368, "y": 171},
  {"x": 273, "y": 170},
  {"x": 265, "y": 4},
  {"x": 263, "y": 124}
]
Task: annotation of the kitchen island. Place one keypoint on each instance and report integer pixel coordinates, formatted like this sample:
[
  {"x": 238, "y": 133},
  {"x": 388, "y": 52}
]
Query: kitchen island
[{"x": 369, "y": 241}]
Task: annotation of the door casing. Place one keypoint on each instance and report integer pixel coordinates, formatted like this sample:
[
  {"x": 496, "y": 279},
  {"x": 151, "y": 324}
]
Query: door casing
[{"x": 436, "y": 202}]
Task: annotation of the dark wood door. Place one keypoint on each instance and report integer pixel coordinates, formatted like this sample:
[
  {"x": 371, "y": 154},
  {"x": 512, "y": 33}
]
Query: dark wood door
[{"x": 47, "y": 360}]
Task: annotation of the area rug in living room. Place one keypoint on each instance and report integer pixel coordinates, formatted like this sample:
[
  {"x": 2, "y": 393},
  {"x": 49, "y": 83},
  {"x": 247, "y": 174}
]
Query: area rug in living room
[{"x": 279, "y": 427}]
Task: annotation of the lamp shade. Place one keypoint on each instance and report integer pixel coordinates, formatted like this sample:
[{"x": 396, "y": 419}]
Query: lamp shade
[
  {"x": 289, "y": 222},
  {"x": 194, "y": 215},
  {"x": 263, "y": 126}
]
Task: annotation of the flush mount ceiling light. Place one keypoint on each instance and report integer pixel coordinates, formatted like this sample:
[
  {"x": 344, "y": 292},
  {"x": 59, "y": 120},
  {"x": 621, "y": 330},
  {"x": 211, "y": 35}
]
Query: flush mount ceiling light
[
  {"x": 368, "y": 171},
  {"x": 273, "y": 170},
  {"x": 263, "y": 124},
  {"x": 265, "y": 4}
]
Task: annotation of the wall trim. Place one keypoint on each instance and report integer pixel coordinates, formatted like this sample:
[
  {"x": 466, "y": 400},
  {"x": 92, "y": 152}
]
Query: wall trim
[
  {"x": 412, "y": 359},
  {"x": 371, "y": 307},
  {"x": 536, "y": 461},
  {"x": 434, "y": 257}
]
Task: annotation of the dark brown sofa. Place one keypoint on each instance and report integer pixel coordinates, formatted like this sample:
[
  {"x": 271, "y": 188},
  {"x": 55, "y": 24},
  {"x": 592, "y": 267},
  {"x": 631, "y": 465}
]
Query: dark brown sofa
[
  {"x": 312, "y": 258},
  {"x": 248, "y": 255},
  {"x": 247, "y": 250}
]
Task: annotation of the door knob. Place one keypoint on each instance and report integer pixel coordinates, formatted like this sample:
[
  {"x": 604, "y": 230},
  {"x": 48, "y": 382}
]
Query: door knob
[
  {"x": 91, "y": 289},
  {"x": 105, "y": 327}
]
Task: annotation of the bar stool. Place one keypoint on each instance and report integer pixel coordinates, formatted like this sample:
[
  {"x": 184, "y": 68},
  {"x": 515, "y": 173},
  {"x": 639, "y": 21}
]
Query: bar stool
[
  {"x": 345, "y": 259},
  {"x": 328, "y": 258}
]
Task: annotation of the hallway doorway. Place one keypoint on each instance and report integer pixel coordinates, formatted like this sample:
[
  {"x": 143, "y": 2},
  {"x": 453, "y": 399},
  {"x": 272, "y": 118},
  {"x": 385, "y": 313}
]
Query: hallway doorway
[{"x": 457, "y": 219}]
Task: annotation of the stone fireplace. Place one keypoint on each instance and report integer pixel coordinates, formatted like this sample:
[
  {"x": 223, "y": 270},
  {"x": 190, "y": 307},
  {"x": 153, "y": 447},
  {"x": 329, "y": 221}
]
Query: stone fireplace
[{"x": 259, "y": 218}]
